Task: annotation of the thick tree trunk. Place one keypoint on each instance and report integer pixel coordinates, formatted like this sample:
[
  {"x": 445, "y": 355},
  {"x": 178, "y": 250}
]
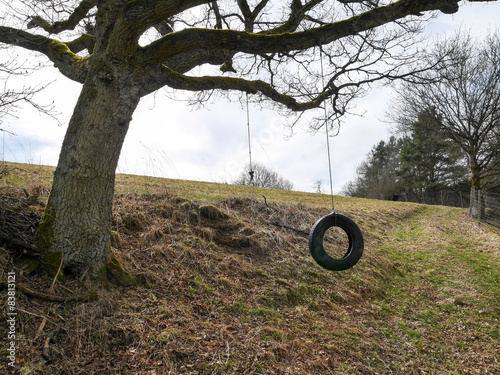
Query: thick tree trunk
[{"x": 74, "y": 233}]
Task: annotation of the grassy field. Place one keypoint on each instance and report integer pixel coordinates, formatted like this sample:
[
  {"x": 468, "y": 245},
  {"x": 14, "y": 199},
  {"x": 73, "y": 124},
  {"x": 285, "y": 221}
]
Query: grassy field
[{"x": 240, "y": 293}]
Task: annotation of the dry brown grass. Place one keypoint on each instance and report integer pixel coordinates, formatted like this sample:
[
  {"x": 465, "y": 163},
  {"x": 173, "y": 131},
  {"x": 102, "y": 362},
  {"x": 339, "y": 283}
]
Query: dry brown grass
[{"x": 232, "y": 289}]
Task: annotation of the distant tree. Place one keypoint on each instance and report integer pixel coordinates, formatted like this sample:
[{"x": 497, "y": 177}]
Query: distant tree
[
  {"x": 420, "y": 164},
  {"x": 317, "y": 187},
  {"x": 376, "y": 175},
  {"x": 263, "y": 177},
  {"x": 429, "y": 159},
  {"x": 464, "y": 92}
]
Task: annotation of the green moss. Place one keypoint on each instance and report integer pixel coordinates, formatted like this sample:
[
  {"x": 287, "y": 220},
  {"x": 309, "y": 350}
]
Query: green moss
[
  {"x": 58, "y": 49},
  {"x": 45, "y": 233},
  {"x": 51, "y": 262},
  {"x": 117, "y": 275}
]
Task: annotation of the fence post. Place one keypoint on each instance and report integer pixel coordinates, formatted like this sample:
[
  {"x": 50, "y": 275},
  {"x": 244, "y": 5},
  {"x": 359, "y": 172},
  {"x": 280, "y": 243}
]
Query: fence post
[
  {"x": 471, "y": 201},
  {"x": 480, "y": 206}
]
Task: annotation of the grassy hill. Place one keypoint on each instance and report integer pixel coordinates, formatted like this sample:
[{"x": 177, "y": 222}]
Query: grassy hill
[{"x": 237, "y": 292}]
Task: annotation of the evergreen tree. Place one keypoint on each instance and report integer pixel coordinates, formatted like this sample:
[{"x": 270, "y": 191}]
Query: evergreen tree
[
  {"x": 429, "y": 159},
  {"x": 376, "y": 175},
  {"x": 420, "y": 166}
]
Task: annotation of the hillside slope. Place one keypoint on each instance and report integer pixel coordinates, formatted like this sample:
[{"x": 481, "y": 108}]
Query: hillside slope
[{"x": 227, "y": 286}]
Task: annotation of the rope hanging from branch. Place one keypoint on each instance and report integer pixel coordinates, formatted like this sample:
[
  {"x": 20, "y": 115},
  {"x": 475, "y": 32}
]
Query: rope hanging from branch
[
  {"x": 326, "y": 127},
  {"x": 251, "y": 172}
]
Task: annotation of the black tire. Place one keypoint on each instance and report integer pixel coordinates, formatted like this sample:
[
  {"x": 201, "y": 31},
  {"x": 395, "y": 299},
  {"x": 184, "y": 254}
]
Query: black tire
[{"x": 356, "y": 243}]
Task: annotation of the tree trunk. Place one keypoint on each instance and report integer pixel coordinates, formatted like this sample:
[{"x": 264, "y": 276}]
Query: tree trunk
[
  {"x": 74, "y": 233},
  {"x": 475, "y": 175}
]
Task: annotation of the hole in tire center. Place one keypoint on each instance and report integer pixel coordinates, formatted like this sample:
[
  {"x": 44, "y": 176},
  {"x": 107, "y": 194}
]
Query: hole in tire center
[{"x": 336, "y": 242}]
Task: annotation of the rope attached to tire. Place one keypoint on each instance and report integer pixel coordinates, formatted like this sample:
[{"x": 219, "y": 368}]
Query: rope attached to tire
[
  {"x": 353, "y": 252},
  {"x": 356, "y": 242}
]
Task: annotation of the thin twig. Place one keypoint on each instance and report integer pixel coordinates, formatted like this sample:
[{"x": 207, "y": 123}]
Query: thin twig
[
  {"x": 265, "y": 201},
  {"x": 38, "y": 315},
  {"x": 58, "y": 271},
  {"x": 41, "y": 327}
]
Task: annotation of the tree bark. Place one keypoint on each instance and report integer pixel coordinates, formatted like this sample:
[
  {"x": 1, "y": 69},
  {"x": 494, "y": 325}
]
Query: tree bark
[
  {"x": 475, "y": 172},
  {"x": 74, "y": 233}
]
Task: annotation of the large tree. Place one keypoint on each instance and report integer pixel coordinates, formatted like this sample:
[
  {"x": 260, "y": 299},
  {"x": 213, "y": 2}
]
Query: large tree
[
  {"x": 464, "y": 92},
  {"x": 122, "y": 50}
]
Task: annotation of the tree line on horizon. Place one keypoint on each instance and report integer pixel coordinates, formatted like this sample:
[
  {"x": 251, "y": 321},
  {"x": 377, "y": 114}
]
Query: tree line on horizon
[
  {"x": 446, "y": 138},
  {"x": 421, "y": 167}
]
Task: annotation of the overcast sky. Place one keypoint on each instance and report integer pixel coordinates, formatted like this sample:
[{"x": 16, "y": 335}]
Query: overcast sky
[{"x": 169, "y": 139}]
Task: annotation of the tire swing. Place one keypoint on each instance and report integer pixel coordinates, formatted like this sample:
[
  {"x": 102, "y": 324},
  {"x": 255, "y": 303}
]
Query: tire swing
[{"x": 356, "y": 243}]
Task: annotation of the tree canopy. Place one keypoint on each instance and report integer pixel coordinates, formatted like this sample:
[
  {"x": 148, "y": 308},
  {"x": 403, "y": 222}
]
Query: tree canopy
[
  {"x": 429, "y": 159},
  {"x": 376, "y": 175},
  {"x": 422, "y": 166}
]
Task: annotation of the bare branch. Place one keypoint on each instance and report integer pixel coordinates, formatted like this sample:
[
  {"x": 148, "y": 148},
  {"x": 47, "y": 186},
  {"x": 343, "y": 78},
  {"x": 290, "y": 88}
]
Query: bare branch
[
  {"x": 297, "y": 15},
  {"x": 149, "y": 13},
  {"x": 74, "y": 19},
  {"x": 189, "y": 39},
  {"x": 182, "y": 82},
  {"x": 86, "y": 41},
  {"x": 11, "y": 96}
]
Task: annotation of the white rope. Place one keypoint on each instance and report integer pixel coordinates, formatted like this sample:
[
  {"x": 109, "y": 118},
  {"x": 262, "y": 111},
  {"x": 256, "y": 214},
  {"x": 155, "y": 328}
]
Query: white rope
[
  {"x": 251, "y": 171},
  {"x": 326, "y": 128}
]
